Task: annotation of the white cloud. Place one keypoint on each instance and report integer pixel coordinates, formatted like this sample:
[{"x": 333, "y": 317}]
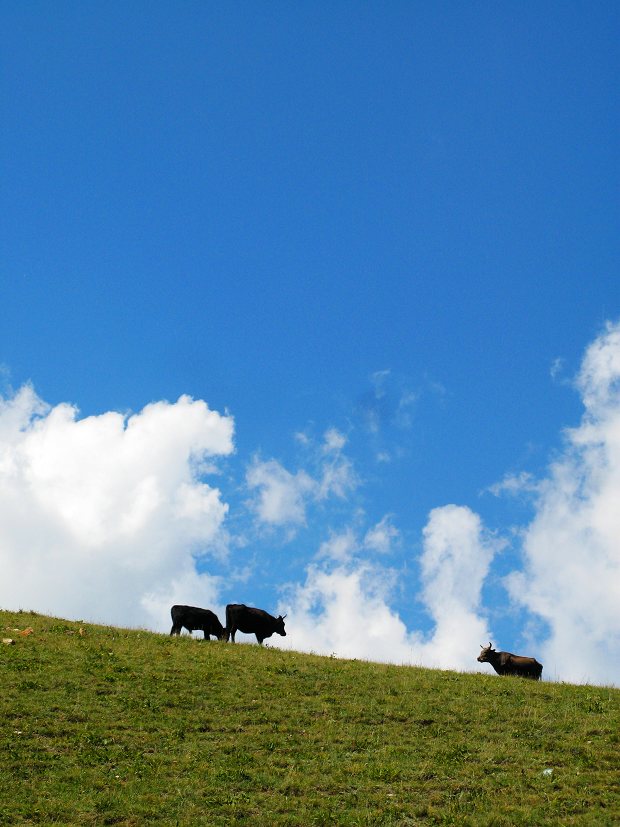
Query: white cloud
[
  {"x": 557, "y": 368},
  {"x": 515, "y": 484},
  {"x": 382, "y": 536},
  {"x": 281, "y": 498},
  {"x": 339, "y": 547},
  {"x": 571, "y": 576},
  {"x": 344, "y": 610},
  {"x": 334, "y": 441},
  {"x": 336, "y": 476},
  {"x": 101, "y": 516},
  {"x": 455, "y": 562},
  {"x": 343, "y": 607}
]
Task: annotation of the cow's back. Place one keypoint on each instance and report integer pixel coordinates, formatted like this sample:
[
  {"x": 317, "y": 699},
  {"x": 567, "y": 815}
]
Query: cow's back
[
  {"x": 246, "y": 619},
  {"x": 520, "y": 665}
]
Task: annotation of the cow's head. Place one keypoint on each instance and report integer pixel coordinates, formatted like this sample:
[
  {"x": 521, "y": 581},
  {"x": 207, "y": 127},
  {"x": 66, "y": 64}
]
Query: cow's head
[
  {"x": 280, "y": 625},
  {"x": 485, "y": 655}
]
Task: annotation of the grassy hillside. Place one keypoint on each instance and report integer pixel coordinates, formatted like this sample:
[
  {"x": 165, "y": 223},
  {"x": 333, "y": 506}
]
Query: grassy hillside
[{"x": 109, "y": 726}]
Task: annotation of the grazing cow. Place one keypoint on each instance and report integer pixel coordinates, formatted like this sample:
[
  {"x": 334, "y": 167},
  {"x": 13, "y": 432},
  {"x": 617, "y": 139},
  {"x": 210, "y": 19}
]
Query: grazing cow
[
  {"x": 192, "y": 618},
  {"x": 252, "y": 621},
  {"x": 505, "y": 663}
]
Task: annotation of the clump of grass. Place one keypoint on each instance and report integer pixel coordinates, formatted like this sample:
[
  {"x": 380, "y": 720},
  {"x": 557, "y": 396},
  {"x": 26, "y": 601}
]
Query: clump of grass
[{"x": 112, "y": 726}]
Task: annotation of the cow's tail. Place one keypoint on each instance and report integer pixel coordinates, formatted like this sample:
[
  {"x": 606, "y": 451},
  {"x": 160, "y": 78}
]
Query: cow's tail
[{"x": 175, "y": 627}]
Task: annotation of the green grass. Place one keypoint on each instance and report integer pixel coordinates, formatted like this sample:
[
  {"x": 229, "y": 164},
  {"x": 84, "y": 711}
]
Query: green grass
[{"x": 127, "y": 727}]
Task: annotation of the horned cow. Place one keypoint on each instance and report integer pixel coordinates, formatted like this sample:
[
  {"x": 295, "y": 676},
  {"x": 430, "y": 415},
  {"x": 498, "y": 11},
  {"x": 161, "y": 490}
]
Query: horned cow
[
  {"x": 252, "y": 621},
  {"x": 505, "y": 663},
  {"x": 191, "y": 617}
]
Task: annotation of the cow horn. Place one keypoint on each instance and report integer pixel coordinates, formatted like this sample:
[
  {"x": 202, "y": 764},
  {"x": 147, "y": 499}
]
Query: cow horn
[
  {"x": 490, "y": 645},
  {"x": 283, "y": 616}
]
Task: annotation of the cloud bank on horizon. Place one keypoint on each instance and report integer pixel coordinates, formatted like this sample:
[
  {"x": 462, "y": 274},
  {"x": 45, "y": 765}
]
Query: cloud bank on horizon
[{"x": 110, "y": 518}]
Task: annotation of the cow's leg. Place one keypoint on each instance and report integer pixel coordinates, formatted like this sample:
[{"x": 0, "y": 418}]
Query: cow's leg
[
  {"x": 207, "y": 635},
  {"x": 176, "y": 629}
]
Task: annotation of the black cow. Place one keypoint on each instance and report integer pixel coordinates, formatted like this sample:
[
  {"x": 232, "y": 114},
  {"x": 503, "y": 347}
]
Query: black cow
[
  {"x": 252, "y": 621},
  {"x": 192, "y": 618},
  {"x": 505, "y": 663}
]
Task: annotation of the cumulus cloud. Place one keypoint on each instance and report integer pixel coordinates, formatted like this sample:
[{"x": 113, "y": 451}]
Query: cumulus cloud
[
  {"x": 455, "y": 562},
  {"x": 340, "y": 547},
  {"x": 281, "y": 498},
  {"x": 571, "y": 549},
  {"x": 343, "y": 607},
  {"x": 102, "y": 517}
]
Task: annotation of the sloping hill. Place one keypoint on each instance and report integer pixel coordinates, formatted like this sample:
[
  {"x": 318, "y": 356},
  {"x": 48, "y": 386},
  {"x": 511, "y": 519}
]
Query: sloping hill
[{"x": 110, "y": 726}]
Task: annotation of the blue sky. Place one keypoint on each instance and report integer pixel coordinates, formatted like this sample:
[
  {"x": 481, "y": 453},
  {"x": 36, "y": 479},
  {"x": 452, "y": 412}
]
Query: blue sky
[{"x": 381, "y": 238}]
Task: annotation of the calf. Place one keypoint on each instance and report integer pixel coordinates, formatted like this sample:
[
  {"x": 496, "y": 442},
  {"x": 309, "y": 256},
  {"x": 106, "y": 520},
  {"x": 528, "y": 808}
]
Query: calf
[
  {"x": 252, "y": 621},
  {"x": 505, "y": 663},
  {"x": 192, "y": 618}
]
